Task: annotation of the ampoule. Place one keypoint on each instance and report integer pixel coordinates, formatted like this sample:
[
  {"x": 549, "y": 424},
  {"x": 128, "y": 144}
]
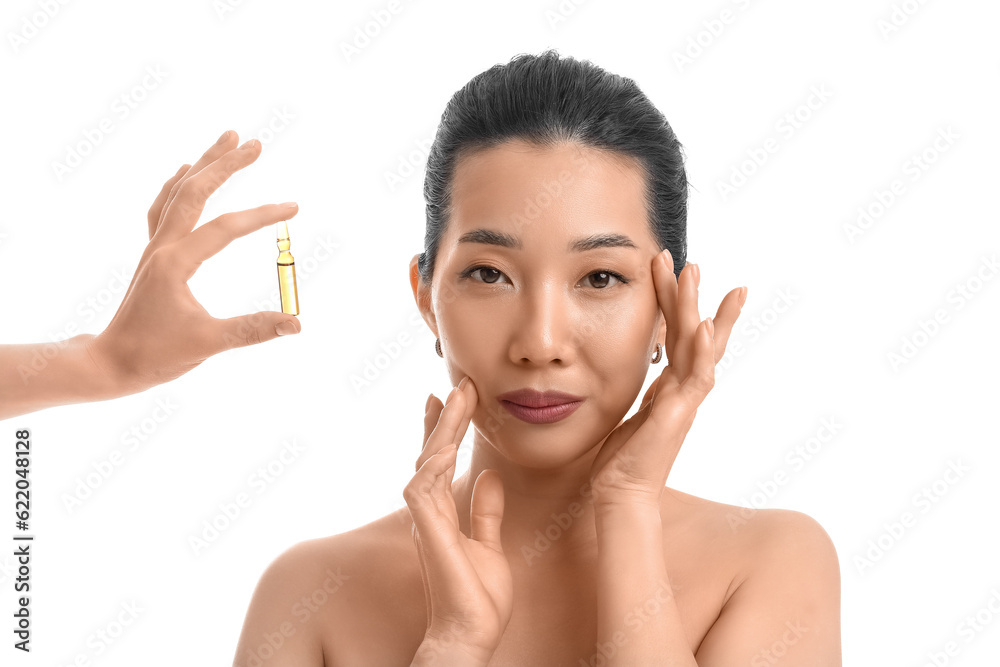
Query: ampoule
[{"x": 286, "y": 272}]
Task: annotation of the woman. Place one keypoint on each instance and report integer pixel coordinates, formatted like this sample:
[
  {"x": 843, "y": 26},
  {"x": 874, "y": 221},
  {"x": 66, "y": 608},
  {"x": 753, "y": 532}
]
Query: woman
[{"x": 554, "y": 273}]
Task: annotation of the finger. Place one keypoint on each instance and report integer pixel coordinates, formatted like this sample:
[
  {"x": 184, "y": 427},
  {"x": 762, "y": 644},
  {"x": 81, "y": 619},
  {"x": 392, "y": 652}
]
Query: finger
[
  {"x": 632, "y": 424},
  {"x": 213, "y": 236},
  {"x": 157, "y": 208},
  {"x": 486, "y": 512},
  {"x": 421, "y": 551},
  {"x": 434, "y": 407},
  {"x": 650, "y": 394},
  {"x": 432, "y": 508},
  {"x": 725, "y": 320},
  {"x": 665, "y": 283},
  {"x": 701, "y": 377},
  {"x": 224, "y": 144},
  {"x": 447, "y": 426},
  {"x": 471, "y": 400},
  {"x": 183, "y": 211},
  {"x": 254, "y": 328},
  {"x": 687, "y": 303}
]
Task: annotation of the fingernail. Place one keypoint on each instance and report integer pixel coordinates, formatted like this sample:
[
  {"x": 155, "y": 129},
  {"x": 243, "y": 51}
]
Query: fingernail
[
  {"x": 225, "y": 135},
  {"x": 451, "y": 395},
  {"x": 743, "y": 296},
  {"x": 248, "y": 145},
  {"x": 285, "y": 328},
  {"x": 711, "y": 327},
  {"x": 289, "y": 205},
  {"x": 427, "y": 405},
  {"x": 697, "y": 274},
  {"x": 461, "y": 385}
]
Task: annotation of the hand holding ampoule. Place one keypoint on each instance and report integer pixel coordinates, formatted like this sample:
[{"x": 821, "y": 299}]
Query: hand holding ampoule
[{"x": 160, "y": 330}]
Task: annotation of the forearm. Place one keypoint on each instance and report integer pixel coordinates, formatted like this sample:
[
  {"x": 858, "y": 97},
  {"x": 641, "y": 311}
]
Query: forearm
[
  {"x": 42, "y": 375},
  {"x": 638, "y": 622}
]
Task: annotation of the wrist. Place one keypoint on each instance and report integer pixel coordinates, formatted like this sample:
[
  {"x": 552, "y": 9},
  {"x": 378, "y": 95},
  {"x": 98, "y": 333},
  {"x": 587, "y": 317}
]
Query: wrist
[
  {"x": 112, "y": 376},
  {"x": 615, "y": 501}
]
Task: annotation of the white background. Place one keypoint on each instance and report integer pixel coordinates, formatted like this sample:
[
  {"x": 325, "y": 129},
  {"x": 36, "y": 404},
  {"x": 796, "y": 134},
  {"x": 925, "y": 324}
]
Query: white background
[{"x": 350, "y": 122}]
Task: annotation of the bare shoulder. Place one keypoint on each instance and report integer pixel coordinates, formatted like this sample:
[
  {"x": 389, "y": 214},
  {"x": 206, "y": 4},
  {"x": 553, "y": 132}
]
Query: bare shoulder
[
  {"x": 785, "y": 590},
  {"x": 316, "y": 585},
  {"x": 761, "y": 537}
]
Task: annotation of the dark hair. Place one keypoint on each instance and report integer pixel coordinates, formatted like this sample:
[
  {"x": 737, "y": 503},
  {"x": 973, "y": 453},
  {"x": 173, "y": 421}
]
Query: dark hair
[{"x": 545, "y": 99}]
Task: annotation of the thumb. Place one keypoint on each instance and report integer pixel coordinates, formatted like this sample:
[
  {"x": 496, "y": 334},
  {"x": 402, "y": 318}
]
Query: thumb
[
  {"x": 257, "y": 328},
  {"x": 486, "y": 513}
]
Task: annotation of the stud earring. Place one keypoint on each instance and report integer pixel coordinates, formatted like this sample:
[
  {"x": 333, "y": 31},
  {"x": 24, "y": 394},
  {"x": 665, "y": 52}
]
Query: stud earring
[
  {"x": 437, "y": 347},
  {"x": 659, "y": 354}
]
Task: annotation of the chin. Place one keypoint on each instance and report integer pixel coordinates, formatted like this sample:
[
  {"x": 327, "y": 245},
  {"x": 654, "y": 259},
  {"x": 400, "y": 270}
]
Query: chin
[{"x": 538, "y": 446}]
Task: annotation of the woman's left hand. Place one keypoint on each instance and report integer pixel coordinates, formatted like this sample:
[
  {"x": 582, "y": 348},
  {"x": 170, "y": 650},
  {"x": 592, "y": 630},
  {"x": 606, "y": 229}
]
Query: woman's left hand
[{"x": 633, "y": 464}]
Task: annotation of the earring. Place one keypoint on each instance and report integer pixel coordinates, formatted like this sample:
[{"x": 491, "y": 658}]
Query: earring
[
  {"x": 658, "y": 355},
  {"x": 437, "y": 347}
]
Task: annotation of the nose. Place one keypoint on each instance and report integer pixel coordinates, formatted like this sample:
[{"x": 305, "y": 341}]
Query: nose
[{"x": 543, "y": 329}]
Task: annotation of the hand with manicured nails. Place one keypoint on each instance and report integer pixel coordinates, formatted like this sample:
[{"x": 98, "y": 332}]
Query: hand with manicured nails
[
  {"x": 160, "y": 330},
  {"x": 468, "y": 586},
  {"x": 635, "y": 460}
]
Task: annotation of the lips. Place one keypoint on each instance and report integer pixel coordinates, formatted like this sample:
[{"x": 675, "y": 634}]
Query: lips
[
  {"x": 540, "y": 407},
  {"x": 532, "y": 398}
]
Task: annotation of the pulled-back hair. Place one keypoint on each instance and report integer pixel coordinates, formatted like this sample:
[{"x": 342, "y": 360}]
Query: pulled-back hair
[{"x": 546, "y": 99}]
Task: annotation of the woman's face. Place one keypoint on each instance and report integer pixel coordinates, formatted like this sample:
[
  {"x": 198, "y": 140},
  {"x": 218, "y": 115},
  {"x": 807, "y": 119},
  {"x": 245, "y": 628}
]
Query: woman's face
[{"x": 543, "y": 281}]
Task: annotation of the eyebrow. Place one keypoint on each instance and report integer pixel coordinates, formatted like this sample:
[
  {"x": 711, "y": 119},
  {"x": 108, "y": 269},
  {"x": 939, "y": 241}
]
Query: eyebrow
[{"x": 592, "y": 242}]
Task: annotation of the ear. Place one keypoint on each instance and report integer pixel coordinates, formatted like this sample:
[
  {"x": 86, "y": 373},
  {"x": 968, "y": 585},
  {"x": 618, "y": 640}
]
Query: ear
[{"x": 422, "y": 295}]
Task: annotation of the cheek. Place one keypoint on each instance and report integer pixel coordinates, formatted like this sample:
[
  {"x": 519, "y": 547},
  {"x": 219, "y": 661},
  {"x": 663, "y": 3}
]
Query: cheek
[{"x": 470, "y": 339}]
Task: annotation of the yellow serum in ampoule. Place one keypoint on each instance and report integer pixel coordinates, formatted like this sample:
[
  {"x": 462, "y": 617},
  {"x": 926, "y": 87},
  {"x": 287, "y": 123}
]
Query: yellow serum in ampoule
[{"x": 286, "y": 272}]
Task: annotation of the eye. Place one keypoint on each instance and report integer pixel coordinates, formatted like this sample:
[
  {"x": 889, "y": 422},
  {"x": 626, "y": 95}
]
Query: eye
[
  {"x": 491, "y": 276},
  {"x": 604, "y": 276}
]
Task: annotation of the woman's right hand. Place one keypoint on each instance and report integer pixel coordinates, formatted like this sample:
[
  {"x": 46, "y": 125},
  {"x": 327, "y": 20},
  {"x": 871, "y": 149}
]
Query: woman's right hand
[{"x": 467, "y": 581}]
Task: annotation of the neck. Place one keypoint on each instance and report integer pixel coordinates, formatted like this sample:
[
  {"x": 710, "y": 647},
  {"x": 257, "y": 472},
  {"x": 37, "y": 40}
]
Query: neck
[{"x": 548, "y": 515}]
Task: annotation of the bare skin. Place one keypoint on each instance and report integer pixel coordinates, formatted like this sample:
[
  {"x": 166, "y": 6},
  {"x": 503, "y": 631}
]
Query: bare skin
[
  {"x": 550, "y": 549},
  {"x": 160, "y": 331}
]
